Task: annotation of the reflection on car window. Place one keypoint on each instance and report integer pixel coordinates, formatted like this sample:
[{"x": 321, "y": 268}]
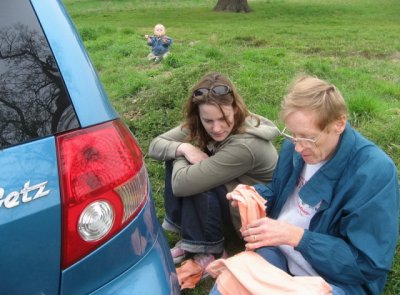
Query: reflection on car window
[{"x": 33, "y": 99}]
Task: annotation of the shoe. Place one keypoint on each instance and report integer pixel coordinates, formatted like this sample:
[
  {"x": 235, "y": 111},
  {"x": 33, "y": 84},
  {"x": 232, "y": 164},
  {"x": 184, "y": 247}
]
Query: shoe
[
  {"x": 170, "y": 227},
  {"x": 203, "y": 260},
  {"x": 178, "y": 254}
]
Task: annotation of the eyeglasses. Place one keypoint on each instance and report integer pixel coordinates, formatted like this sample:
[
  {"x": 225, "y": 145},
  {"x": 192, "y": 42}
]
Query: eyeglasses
[
  {"x": 304, "y": 142},
  {"x": 216, "y": 91}
]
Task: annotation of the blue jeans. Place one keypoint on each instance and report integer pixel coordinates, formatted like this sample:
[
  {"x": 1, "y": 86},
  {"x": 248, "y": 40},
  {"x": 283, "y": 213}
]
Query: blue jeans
[
  {"x": 199, "y": 218},
  {"x": 274, "y": 256}
]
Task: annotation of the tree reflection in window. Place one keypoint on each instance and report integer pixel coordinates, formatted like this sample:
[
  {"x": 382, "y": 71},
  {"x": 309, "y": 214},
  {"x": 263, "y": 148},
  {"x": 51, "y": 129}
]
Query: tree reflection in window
[{"x": 33, "y": 99}]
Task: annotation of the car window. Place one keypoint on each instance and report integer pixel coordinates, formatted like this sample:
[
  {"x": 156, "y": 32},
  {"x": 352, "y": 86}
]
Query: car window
[{"x": 33, "y": 99}]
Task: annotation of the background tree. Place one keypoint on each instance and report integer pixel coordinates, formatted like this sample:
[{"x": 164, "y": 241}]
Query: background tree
[{"x": 232, "y": 5}]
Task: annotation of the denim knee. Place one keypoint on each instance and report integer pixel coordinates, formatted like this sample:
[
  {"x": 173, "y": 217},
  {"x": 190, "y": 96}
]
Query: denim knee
[{"x": 274, "y": 256}]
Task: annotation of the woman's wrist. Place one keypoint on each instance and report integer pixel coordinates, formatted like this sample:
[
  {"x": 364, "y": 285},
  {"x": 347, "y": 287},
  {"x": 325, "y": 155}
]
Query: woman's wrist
[{"x": 180, "y": 150}]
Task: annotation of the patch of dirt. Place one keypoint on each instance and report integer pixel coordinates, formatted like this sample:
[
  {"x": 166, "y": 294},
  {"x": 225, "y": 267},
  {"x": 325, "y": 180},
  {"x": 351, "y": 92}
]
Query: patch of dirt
[
  {"x": 395, "y": 57},
  {"x": 251, "y": 41},
  {"x": 131, "y": 115}
]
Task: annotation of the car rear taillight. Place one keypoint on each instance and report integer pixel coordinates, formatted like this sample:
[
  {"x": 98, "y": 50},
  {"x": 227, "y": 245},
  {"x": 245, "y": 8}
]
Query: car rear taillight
[{"x": 104, "y": 184}]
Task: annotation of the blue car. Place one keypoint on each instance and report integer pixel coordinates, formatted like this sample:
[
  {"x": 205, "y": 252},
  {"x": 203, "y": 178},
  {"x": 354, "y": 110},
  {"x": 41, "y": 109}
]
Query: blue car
[{"x": 76, "y": 209}]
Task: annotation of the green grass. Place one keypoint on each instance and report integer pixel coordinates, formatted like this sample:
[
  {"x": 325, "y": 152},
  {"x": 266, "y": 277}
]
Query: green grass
[{"x": 354, "y": 44}]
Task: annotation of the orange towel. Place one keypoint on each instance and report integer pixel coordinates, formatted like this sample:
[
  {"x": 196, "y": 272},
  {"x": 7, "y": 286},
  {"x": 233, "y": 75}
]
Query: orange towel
[
  {"x": 247, "y": 273},
  {"x": 251, "y": 204},
  {"x": 189, "y": 274},
  {"x": 251, "y": 207}
]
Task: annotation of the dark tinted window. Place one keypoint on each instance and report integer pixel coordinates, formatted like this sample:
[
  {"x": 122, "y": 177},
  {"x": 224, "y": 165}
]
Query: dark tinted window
[{"x": 33, "y": 99}]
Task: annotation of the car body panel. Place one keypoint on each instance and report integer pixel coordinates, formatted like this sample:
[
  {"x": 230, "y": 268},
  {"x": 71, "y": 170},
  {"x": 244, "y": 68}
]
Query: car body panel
[
  {"x": 80, "y": 77},
  {"x": 143, "y": 281},
  {"x": 137, "y": 260},
  {"x": 30, "y": 235}
]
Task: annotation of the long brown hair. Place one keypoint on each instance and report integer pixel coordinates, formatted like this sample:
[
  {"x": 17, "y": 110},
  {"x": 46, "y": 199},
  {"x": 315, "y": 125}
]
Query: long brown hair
[{"x": 197, "y": 134}]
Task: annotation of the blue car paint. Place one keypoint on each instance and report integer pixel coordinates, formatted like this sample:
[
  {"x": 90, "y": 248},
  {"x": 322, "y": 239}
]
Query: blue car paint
[
  {"x": 136, "y": 261},
  {"x": 30, "y": 237},
  {"x": 80, "y": 77},
  {"x": 146, "y": 281}
]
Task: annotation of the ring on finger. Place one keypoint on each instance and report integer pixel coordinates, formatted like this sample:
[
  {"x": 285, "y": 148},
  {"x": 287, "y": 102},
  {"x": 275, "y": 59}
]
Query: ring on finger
[{"x": 254, "y": 238}]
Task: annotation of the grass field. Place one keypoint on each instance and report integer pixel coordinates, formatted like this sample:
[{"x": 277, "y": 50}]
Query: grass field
[{"x": 354, "y": 44}]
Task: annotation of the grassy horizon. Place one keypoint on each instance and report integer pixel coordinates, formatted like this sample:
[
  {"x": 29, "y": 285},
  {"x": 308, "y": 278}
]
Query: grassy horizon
[{"x": 353, "y": 44}]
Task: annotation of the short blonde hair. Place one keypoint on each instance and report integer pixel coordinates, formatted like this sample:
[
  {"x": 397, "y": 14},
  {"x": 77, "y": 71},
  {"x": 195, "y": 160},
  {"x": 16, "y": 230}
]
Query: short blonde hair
[
  {"x": 160, "y": 26},
  {"x": 311, "y": 93}
]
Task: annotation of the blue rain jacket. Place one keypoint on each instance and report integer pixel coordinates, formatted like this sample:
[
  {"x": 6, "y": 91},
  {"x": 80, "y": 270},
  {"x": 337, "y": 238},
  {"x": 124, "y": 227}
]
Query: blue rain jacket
[
  {"x": 352, "y": 239},
  {"x": 158, "y": 46}
]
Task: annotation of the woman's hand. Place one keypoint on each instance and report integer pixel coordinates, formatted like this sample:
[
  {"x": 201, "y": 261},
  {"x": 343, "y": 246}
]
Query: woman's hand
[
  {"x": 193, "y": 154},
  {"x": 271, "y": 232}
]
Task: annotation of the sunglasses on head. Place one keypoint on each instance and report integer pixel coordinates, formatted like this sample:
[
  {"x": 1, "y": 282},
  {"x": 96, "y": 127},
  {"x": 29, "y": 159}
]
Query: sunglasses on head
[{"x": 216, "y": 91}]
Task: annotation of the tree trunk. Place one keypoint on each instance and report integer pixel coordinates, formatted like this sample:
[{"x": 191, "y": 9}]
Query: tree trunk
[{"x": 232, "y": 5}]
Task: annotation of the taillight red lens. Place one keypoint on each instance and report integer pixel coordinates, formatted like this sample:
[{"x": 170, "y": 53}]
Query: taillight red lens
[{"x": 104, "y": 184}]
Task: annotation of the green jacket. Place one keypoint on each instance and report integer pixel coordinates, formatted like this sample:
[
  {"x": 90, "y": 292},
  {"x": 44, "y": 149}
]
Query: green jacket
[{"x": 246, "y": 158}]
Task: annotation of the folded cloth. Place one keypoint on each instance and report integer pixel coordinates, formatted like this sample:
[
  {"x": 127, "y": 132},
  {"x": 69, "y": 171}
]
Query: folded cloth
[
  {"x": 189, "y": 274},
  {"x": 247, "y": 273},
  {"x": 251, "y": 204},
  {"x": 251, "y": 207}
]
